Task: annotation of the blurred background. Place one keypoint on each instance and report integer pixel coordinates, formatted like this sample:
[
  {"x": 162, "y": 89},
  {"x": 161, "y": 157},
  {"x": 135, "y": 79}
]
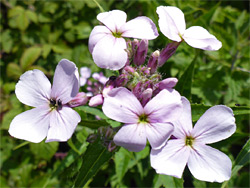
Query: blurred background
[{"x": 38, "y": 34}]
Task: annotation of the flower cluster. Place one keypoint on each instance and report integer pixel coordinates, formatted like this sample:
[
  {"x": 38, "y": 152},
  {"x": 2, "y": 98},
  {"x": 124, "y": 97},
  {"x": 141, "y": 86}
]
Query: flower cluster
[{"x": 149, "y": 106}]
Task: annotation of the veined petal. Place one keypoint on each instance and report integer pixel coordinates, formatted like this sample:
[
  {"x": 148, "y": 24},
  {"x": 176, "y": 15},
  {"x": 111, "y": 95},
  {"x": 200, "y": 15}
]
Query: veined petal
[
  {"x": 113, "y": 19},
  {"x": 217, "y": 123},
  {"x": 31, "y": 125},
  {"x": 62, "y": 124},
  {"x": 171, "y": 159},
  {"x": 166, "y": 106},
  {"x": 132, "y": 137},
  {"x": 171, "y": 22},
  {"x": 158, "y": 134},
  {"x": 141, "y": 27},
  {"x": 33, "y": 88},
  {"x": 109, "y": 53},
  {"x": 198, "y": 37},
  {"x": 121, "y": 105},
  {"x": 96, "y": 35},
  {"x": 209, "y": 164},
  {"x": 183, "y": 126},
  {"x": 66, "y": 81}
]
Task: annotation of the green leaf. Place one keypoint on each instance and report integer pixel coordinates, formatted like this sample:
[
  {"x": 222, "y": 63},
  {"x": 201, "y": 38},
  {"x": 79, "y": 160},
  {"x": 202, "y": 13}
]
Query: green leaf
[
  {"x": 184, "y": 84},
  {"x": 94, "y": 124},
  {"x": 44, "y": 150},
  {"x": 122, "y": 158},
  {"x": 93, "y": 111},
  {"x": 14, "y": 71},
  {"x": 46, "y": 49},
  {"x": 93, "y": 159},
  {"x": 29, "y": 56},
  {"x": 241, "y": 160},
  {"x": 7, "y": 41},
  {"x": 32, "y": 16},
  {"x": 167, "y": 181}
]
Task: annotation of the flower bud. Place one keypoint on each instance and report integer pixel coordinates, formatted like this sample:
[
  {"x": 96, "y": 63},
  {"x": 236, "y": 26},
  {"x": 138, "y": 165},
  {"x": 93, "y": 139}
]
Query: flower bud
[
  {"x": 96, "y": 100},
  {"x": 111, "y": 146},
  {"x": 167, "y": 52},
  {"x": 146, "y": 96},
  {"x": 141, "y": 52},
  {"x": 168, "y": 83},
  {"x": 153, "y": 61},
  {"x": 79, "y": 100}
]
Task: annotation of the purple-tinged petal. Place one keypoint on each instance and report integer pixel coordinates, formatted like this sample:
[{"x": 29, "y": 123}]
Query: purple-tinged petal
[
  {"x": 198, "y": 37},
  {"x": 141, "y": 27},
  {"x": 217, "y": 123},
  {"x": 209, "y": 164},
  {"x": 96, "y": 100},
  {"x": 62, "y": 124},
  {"x": 66, "y": 81},
  {"x": 166, "y": 106},
  {"x": 31, "y": 125},
  {"x": 183, "y": 126},
  {"x": 121, "y": 105},
  {"x": 85, "y": 72},
  {"x": 171, "y": 22},
  {"x": 96, "y": 35},
  {"x": 171, "y": 159},
  {"x": 168, "y": 83},
  {"x": 109, "y": 53},
  {"x": 158, "y": 134},
  {"x": 132, "y": 137},
  {"x": 113, "y": 19},
  {"x": 33, "y": 88}
]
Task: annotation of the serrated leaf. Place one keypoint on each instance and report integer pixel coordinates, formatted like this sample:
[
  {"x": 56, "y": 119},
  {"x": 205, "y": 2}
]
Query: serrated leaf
[
  {"x": 29, "y": 56},
  {"x": 184, "y": 84},
  {"x": 14, "y": 71},
  {"x": 93, "y": 159},
  {"x": 44, "y": 150},
  {"x": 167, "y": 181}
]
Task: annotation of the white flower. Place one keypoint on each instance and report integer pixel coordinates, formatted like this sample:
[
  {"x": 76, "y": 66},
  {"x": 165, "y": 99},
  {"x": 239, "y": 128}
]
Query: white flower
[
  {"x": 172, "y": 24},
  {"x": 189, "y": 147},
  {"x": 51, "y": 117}
]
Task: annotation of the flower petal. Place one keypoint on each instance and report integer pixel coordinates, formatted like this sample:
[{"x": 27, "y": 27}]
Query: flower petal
[
  {"x": 171, "y": 22},
  {"x": 183, "y": 126},
  {"x": 209, "y": 164},
  {"x": 113, "y": 19},
  {"x": 31, "y": 125},
  {"x": 62, "y": 124},
  {"x": 171, "y": 159},
  {"x": 96, "y": 35},
  {"x": 109, "y": 53},
  {"x": 132, "y": 137},
  {"x": 198, "y": 37},
  {"x": 217, "y": 123},
  {"x": 166, "y": 106},
  {"x": 121, "y": 105},
  {"x": 141, "y": 27},
  {"x": 33, "y": 88},
  {"x": 158, "y": 134},
  {"x": 66, "y": 81}
]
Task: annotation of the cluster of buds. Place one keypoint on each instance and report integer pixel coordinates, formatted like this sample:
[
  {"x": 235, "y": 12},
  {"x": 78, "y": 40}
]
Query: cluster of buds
[{"x": 105, "y": 134}]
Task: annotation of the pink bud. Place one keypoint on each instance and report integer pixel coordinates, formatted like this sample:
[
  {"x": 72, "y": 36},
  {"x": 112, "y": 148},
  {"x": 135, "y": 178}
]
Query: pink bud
[
  {"x": 168, "y": 83},
  {"x": 106, "y": 90},
  {"x": 153, "y": 61},
  {"x": 167, "y": 52},
  {"x": 146, "y": 96},
  {"x": 79, "y": 100},
  {"x": 96, "y": 100},
  {"x": 141, "y": 52}
]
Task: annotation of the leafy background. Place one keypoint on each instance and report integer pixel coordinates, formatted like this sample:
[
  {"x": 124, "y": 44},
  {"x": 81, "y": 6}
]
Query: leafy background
[{"x": 38, "y": 34}]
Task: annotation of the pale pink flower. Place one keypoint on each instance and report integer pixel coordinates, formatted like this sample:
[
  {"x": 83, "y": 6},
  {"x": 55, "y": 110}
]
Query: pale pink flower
[
  {"x": 106, "y": 42},
  {"x": 151, "y": 122},
  {"x": 51, "y": 117},
  {"x": 189, "y": 147},
  {"x": 85, "y": 73},
  {"x": 172, "y": 24}
]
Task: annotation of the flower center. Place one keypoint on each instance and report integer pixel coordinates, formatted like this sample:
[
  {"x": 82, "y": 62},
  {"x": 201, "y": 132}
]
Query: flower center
[
  {"x": 117, "y": 35},
  {"x": 55, "y": 104},
  {"x": 143, "y": 118},
  {"x": 189, "y": 141}
]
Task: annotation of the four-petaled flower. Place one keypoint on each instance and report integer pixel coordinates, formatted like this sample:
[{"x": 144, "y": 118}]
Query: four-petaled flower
[
  {"x": 189, "y": 147},
  {"x": 172, "y": 24},
  {"x": 152, "y": 122},
  {"x": 106, "y": 42},
  {"x": 51, "y": 117}
]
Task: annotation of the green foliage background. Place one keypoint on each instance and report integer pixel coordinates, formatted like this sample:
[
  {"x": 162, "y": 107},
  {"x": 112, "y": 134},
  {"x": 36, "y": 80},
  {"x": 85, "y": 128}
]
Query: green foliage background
[{"x": 38, "y": 34}]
